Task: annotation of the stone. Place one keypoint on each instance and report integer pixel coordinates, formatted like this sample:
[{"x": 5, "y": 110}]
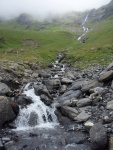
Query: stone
[
  {"x": 106, "y": 76},
  {"x": 110, "y": 105},
  {"x": 70, "y": 95},
  {"x": 83, "y": 116},
  {"x": 45, "y": 99},
  {"x": 41, "y": 89},
  {"x": 84, "y": 102},
  {"x": 69, "y": 102},
  {"x": 35, "y": 75},
  {"x": 6, "y": 111},
  {"x": 90, "y": 84},
  {"x": 66, "y": 81},
  {"x": 111, "y": 143},
  {"x": 70, "y": 75},
  {"x": 4, "y": 89},
  {"x": 24, "y": 100},
  {"x": 33, "y": 120},
  {"x": 69, "y": 112},
  {"x": 77, "y": 85},
  {"x": 62, "y": 89},
  {"x": 52, "y": 84},
  {"x": 88, "y": 124},
  {"x": 98, "y": 136}
]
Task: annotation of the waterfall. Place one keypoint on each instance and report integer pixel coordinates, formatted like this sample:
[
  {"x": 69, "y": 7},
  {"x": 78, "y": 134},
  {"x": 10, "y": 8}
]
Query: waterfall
[
  {"x": 36, "y": 114},
  {"x": 84, "y": 28}
]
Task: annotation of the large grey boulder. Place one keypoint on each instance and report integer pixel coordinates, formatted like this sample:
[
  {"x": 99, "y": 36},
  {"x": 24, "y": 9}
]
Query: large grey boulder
[
  {"x": 70, "y": 95},
  {"x": 98, "y": 136},
  {"x": 106, "y": 76},
  {"x": 6, "y": 111},
  {"x": 69, "y": 112},
  {"x": 41, "y": 89},
  {"x": 90, "y": 84},
  {"x": 84, "y": 102},
  {"x": 52, "y": 84},
  {"x": 4, "y": 89},
  {"x": 83, "y": 116}
]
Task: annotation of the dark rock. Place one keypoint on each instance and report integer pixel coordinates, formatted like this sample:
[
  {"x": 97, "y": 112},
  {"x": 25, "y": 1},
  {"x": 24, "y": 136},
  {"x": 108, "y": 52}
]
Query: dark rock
[
  {"x": 33, "y": 119},
  {"x": 84, "y": 102},
  {"x": 4, "y": 89},
  {"x": 70, "y": 95},
  {"x": 15, "y": 107},
  {"x": 52, "y": 84},
  {"x": 98, "y": 136},
  {"x": 77, "y": 85},
  {"x": 41, "y": 89},
  {"x": 106, "y": 76},
  {"x": 24, "y": 100},
  {"x": 46, "y": 100},
  {"x": 90, "y": 84},
  {"x": 6, "y": 111}
]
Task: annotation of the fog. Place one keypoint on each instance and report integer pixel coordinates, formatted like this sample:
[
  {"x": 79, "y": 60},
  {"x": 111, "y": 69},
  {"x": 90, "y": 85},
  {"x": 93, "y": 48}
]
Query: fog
[{"x": 12, "y": 8}]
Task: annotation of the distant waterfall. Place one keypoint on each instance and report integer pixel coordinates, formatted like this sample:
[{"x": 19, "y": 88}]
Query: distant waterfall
[
  {"x": 84, "y": 28},
  {"x": 36, "y": 114}
]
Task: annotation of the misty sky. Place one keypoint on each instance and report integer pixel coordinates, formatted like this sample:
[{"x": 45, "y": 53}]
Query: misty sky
[{"x": 43, "y": 7}]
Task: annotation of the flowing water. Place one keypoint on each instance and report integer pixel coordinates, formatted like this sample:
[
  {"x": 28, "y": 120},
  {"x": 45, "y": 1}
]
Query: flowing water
[{"x": 36, "y": 114}]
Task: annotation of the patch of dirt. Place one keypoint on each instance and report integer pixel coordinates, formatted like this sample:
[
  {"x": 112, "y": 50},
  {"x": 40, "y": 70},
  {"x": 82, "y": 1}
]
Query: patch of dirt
[{"x": 30, "y": 42}]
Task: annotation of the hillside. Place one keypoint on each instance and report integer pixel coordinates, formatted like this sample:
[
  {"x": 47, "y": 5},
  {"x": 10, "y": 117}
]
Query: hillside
[{"x": 25, "y": 39}]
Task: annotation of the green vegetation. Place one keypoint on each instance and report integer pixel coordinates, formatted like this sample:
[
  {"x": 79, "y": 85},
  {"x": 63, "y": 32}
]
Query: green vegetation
[{"x": 41, "y": 42}]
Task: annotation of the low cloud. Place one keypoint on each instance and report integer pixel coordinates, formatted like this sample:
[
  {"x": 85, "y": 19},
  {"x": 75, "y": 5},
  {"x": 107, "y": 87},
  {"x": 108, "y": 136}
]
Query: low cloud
[{"x": 12, "y": 8}]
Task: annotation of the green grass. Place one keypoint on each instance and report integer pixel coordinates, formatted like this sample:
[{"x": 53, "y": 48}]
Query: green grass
[{"x": 55, "y": 38}]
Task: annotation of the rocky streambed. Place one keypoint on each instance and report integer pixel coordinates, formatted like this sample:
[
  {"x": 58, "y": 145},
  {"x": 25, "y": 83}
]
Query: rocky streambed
[{"x": 83, "y": 102}]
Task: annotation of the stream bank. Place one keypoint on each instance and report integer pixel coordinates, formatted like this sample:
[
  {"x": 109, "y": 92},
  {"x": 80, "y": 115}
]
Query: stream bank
[{"x": 83, "y": 101}]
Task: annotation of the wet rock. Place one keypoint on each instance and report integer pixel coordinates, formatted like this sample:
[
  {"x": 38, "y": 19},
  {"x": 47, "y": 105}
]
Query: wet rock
[
  {"x": 24, "y": 100},
  {"x": 15, "y": 107},
  {"x": 46, "y": 100},
  {"x": 6, "y": 111},
  {"x": 90, "y": 84},
  {"x": 41, "y": 89},
  {"x": 1, "y": 146},
  {"x": 33, "y": 119},
  {"x": 110, "y": 105},
  {"x": 80, "y": 137},
  {"x": 4, "y": 89},
  {"x": 84, "y": 102},
  {"x": 98, "y": 136},
  {"x": 69, "y": 112},
  {"x": 106, "y": 76},
  {"x": 12, "y": 83},
  {"x": 83, "y": 116}
]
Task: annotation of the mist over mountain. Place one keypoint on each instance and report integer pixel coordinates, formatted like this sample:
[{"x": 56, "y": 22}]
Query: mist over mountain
[{"x": 42, "y": 9}]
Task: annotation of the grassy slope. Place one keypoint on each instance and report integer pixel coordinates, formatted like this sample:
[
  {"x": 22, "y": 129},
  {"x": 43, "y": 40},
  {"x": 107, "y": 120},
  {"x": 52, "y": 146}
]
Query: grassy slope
[
  {"x": 55, "y": 38},
  {"x": 98, "y": 47}
]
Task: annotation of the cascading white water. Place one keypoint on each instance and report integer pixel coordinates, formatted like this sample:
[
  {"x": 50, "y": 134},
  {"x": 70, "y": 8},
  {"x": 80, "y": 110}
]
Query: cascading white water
[
  {"x": 36, "y": 114},
  {"x": 84, "y": 28}
]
